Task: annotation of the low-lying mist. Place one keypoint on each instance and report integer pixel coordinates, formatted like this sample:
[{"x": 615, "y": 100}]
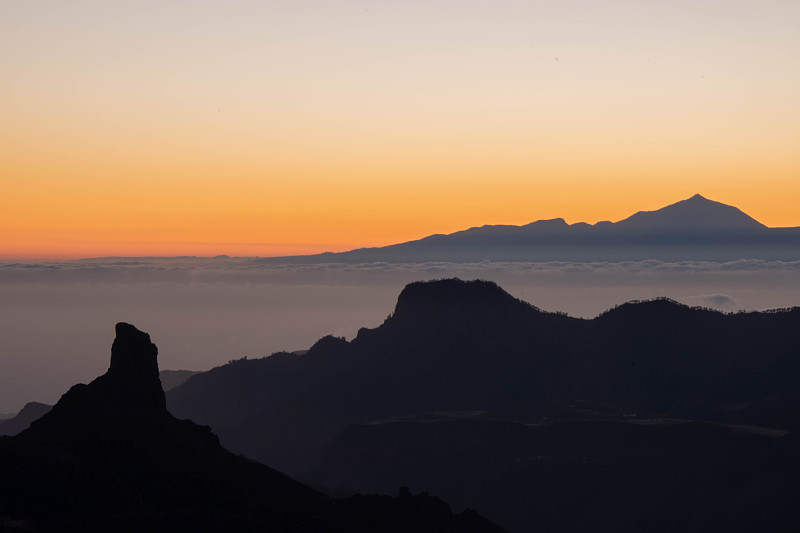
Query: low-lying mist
[{"x": 56, "y": 321}]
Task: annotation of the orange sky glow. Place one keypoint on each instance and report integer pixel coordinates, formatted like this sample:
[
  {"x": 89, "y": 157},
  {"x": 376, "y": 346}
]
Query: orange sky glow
[{"x": 257, "y": 129}]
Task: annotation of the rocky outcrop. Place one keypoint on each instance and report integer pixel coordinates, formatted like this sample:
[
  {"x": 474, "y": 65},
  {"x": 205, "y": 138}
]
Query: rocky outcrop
[
  {"x": 109, "y": 457},
  {"x": 134, "y": 366}
]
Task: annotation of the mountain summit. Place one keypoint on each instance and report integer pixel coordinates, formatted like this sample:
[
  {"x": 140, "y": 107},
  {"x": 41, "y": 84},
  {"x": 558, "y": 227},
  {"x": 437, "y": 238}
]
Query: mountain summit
[
  {"x": 422, "y": 300},
  {"x": 695, "y": 229},
  {"x": 696, "y": 213}
]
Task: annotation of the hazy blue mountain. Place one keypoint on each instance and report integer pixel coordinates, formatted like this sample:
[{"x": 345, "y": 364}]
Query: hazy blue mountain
[
  {"x": 172, "y": 378},
  {"x": 452, "y": 345},
  {"x": 695, "y": 214},
  {"x": 19, "y": 423},
  {"x": 109, "y": 457},
  {"x": 692, "y": 229}
]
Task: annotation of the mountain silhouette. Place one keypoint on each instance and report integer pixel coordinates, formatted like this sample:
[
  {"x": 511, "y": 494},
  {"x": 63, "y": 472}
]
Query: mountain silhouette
[
  {"x": 654, "y": 416},
  {"x": 30, "y": 412},
  {"x": 691, "y": 229},
  {"x": 694, "y": 214},
  {"x": 172, "y": 378},
  {"x": 455, "y": 345},
  {"x": 109, "y": 457}
]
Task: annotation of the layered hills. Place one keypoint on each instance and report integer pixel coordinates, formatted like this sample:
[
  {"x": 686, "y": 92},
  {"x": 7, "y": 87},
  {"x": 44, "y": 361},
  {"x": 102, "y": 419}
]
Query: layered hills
[
  {"x": 454, "y": 345},
  {"x": 651, "y": 417},
  {"x": 109, "y": 457},
  {"x": 693, "y": 229}
]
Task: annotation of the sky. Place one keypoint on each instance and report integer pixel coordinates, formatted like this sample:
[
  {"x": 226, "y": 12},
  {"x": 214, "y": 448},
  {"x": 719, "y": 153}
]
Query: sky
[{"x": 258, "y": 128}]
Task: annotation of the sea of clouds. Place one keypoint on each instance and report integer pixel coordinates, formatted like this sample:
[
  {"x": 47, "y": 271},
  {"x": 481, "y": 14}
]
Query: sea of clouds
[{"x": 57, "y": 318}]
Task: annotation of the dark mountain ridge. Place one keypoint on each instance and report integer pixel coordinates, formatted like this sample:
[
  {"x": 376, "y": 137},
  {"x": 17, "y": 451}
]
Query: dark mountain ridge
[
  {"x": 453, "y": 345},
  {"x": 109, "y": 457},
  {"x": 695, "y": 228}
]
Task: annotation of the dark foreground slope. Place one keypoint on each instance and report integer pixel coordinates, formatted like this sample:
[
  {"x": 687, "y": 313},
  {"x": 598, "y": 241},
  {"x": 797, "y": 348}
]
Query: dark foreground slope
[
  {"x": 454, "y": 346},
  {"x": 579, "y": 470},
  {"x": 109, "y": 457}
]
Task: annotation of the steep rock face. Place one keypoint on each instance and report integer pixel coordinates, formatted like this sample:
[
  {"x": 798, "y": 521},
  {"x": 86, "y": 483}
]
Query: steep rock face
[
  {"x": 133, "y": 356},
  {"x": 134, "y": 366},
  {"x": 129, "y": 389}
]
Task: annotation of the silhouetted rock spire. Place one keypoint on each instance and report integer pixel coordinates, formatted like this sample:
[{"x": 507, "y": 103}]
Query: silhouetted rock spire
[
  {"x": 133, "y": 356},
  {"x": 110, "y": 457},
  {"x": 134, "y": 366}
]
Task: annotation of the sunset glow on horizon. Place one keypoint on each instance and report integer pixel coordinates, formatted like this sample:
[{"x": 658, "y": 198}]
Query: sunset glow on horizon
[{"x": 280, "y": 128}]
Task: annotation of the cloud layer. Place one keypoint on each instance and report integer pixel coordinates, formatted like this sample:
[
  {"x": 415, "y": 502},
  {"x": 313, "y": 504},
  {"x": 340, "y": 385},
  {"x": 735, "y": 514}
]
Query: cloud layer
[{"x": 57, "y": 319}]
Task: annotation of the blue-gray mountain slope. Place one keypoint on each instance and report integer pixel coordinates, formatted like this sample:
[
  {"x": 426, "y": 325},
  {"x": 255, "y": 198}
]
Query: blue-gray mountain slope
[{"x": 693, "y": 229}]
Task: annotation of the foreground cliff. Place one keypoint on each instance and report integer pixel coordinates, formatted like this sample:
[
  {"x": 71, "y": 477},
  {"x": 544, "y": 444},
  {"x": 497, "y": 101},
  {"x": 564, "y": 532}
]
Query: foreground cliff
[{"x": 110, "y": 457}]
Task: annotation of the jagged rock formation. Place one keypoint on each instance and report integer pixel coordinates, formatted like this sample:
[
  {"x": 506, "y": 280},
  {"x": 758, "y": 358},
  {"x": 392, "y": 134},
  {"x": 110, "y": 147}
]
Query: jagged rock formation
[{"x": 109, "y": 456}]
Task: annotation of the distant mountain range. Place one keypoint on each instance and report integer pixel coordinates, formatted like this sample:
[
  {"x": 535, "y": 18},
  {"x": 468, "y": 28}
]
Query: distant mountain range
[
  {"x": 109, "y": 457},
  {"x": 692, "y": 229},
  {"x": 541, "y": 421}
]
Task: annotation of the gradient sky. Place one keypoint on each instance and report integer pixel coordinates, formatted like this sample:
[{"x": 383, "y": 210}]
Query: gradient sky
[{"x": 270, "y": 128}]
